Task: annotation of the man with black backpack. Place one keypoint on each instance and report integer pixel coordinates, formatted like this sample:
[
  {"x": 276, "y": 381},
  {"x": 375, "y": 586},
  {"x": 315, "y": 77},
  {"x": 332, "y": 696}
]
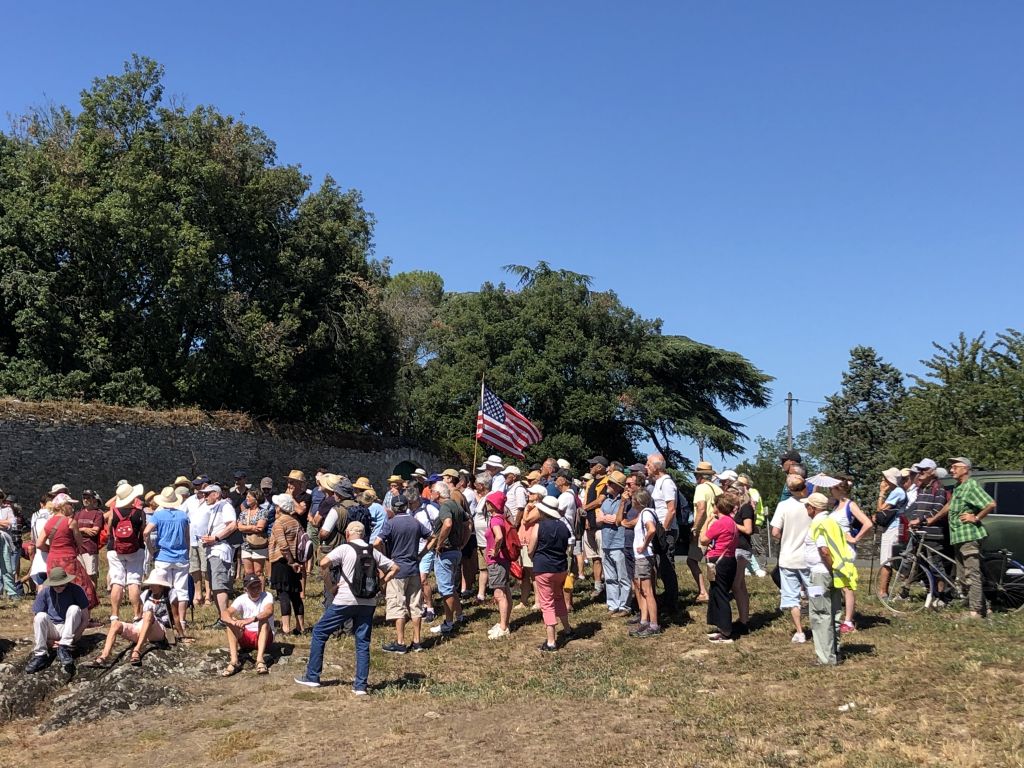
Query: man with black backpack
[{"x": 363, "y": 571}]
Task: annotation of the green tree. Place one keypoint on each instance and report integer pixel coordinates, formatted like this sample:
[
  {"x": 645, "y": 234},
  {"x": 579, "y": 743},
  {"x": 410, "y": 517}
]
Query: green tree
[
  {"x": 860, "y": 426},
  {"x": 155, "y": 255},
  {"x": 970, "y": 402},
  {"x": 591, "y": 373}
]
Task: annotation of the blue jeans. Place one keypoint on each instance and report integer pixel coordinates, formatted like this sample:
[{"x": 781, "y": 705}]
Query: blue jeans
[
  {"x": 616, "y": 579},
  {"x": 446, "y": 568},
  {"x": 8, "y": 564},
  {"x": 330, "y": 622}
]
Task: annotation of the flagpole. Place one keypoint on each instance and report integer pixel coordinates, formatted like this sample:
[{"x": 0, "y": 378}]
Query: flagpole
[{"x": 476, "y": 436}]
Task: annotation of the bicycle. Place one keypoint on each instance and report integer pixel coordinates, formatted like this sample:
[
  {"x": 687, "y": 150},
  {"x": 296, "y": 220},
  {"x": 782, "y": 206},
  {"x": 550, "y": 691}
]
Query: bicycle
[{"x": 921, "y": 568}]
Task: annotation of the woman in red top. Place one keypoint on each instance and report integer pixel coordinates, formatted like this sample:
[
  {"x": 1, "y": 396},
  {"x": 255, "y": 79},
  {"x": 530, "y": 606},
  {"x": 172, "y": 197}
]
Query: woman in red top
[
  {"x": 720, "y": 539},
  {"x": 61, "y": 541}
]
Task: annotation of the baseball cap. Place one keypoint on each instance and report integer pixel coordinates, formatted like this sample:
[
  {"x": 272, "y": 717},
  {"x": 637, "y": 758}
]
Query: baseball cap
[
  {"x": 791, "y": 455},
  {"x": 926, "y": 464},
  {"x": 598, "y": 460},
  {"x": 251, "y": 578},
  {"x": 267, "y": 482},
  {"x": 960, "y": 460}
]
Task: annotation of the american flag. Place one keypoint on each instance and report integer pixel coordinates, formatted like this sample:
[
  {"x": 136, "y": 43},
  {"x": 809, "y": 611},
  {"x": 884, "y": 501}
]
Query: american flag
[{"x": 501, "y": 425}]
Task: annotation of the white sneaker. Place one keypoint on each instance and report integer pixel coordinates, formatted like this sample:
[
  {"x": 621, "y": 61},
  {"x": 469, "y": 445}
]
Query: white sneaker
[
  {"x": 799, "y": 637},
  {"x": 494, "y": 629},
  {"x": 761, "y": 573},
  {"x": 499, "y": 635}
]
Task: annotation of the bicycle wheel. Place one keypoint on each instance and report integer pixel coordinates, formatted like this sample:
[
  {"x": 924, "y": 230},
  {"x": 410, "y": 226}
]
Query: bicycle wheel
[
  {"x": 1007, "y": 592},
  {"x": 910, "y": 587}
]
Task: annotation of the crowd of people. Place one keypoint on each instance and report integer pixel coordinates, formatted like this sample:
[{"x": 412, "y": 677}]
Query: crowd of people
[{"x": 432, "y": 544}]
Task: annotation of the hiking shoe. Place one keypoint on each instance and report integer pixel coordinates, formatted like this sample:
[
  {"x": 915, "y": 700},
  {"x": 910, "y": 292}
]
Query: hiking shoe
[
  {"x": 416, "y": 647},
  {"x": 65, "y": 658},
  {"x": 37, "y": 663},
  {"x": 395, "y": 648},
  {"x": 798, "y": 637},
  {"x": 649, "y": 631},
  {"x": 444, "y": 628},
  {"x": 360, "y": 692},
  {"x": 639, "y": 630},
  {"x": 307, "y": 682},
  {"x": 545, "y": 648}
]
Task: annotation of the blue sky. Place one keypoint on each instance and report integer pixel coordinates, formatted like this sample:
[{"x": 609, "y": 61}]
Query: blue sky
[{"x": 786, "y": 180}]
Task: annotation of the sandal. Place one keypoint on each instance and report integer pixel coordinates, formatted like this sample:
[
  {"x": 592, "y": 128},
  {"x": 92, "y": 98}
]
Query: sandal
[
  {"x": 100, "y": 662},
  {"x": 261, "y": 669},
  {"x": 136, "y": 659},
  {"x": 231, "y": 669}
]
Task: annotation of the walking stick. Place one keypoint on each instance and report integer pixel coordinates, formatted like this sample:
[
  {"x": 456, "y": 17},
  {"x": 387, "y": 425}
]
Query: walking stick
[{"x": 874, "y": 549}]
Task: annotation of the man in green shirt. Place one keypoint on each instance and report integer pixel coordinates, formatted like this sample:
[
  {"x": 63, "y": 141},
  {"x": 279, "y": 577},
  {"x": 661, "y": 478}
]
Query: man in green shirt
[{"x": 967, "y": 507}]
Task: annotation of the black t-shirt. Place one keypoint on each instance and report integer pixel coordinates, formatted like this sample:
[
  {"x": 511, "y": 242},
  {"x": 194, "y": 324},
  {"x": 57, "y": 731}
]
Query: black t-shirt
[
  {"x": 552, "y": 545},
  {"x": 237, "y": 497},
  {"x": 745, "y": 512},
  {"x": 306, "y": 497}
]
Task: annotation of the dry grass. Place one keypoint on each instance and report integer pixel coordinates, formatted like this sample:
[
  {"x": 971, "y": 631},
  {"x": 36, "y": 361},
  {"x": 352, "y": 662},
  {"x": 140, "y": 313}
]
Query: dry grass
[{"x": 927, "y": 690}]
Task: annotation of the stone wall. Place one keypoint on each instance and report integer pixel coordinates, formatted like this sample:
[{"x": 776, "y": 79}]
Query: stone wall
[{"x": 95, "y": 446}]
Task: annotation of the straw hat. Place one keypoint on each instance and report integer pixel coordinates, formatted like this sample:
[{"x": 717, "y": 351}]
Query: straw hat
[
  {"x": 328, "y": 480},
  {"x": 126, "y": 494},
  {"x": 396, "y": 479},
  {"x": 157, "y": 579},
  {"x": 704, "y": 468},
  {"x": 617, "y": 478},
  {"x": 362, "y": 484},
  {"x": 168, "y": 498},
  {"x": 181, "y": 480},
  {"x": 297, "y": 475}
]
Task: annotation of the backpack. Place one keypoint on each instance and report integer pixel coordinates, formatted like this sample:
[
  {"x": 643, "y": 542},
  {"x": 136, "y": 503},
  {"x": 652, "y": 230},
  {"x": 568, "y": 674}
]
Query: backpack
[
  {"x": 365, "y": 582},
  {"x": 358, "y": 514},
  {"x": 461, "y": 529},
  {"x": 510, "y": 541},
  {"x": 683, "y": 506},
  {"x": 303, "y": 548},
  {"x": 884, "y": 518},
  {"x": 659, "y": 544},
  {"x": 125, "y": 540}
]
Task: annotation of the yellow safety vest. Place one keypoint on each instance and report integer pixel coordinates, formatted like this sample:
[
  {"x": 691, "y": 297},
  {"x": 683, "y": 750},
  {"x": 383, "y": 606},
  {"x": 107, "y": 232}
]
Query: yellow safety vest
[
  {"x": 844, "y": 570},
  {"x": 755, "y": 500}
]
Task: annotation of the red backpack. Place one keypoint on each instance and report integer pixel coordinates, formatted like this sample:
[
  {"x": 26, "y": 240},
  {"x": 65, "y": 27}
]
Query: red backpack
[
  {"x": 510, "y": 540},
  {"x": 125, "y": 540}
]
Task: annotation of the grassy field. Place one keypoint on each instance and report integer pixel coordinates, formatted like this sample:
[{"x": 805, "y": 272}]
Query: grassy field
[{"x": 926, "y": 690}]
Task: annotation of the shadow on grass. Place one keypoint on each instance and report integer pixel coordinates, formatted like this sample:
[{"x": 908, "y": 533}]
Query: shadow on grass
[
  {"x": 852, "y": 650},
  {"x": 408, "y": 681},
  {"x": 585, "y": 630},
  {"x": 761, "y": 619},
  {"x": 867, "y": 621}
]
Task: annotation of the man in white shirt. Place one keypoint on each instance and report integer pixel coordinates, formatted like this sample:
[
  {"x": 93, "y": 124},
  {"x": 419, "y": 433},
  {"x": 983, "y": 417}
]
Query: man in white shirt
[
  {"x": 198, "y": 525},
  {"x": 663, "y": 491},
  {"x": 515, "y": 494},
  {"x": 493, "y": 467},
  {"x": 248, "y": 624},
  {"x": 789, "y": 527},
  {"x": 220, "y": 554},
  {"x": 346, "y": 605}
]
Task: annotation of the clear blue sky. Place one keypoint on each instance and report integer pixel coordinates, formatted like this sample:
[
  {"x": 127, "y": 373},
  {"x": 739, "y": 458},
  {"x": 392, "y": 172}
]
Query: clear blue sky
[{"x": 783, "y": 179}]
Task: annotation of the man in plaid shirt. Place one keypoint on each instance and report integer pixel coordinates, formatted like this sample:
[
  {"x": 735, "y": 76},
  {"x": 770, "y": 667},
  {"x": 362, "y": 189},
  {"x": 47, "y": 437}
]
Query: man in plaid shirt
[{"x": 968, "y": 506}]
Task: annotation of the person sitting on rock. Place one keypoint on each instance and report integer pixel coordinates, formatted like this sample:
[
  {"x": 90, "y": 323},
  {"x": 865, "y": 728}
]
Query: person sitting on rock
[
  {"x": 151, "y": 628},
  {"x": 248, "y": 625},
  {"x": 61, "y": 611}
]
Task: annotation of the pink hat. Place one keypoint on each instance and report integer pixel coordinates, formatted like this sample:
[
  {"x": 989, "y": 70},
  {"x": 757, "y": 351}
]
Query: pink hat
[{"x": 497, "y": 498}]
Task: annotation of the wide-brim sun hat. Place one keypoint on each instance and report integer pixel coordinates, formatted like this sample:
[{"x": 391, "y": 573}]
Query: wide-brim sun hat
[
  {"x": 892, "y": 474},
  {"x": 549, "y": 506},
  {"x": 127, "y": 493},
  {"x": 168, "y": 498},
  {"x": 296, "y": 475},
  {"x": 158, "y": 579},
  {"x": 58, "y": 577}
]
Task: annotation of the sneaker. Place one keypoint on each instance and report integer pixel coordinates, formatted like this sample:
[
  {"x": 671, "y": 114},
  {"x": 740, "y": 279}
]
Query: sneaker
[
  {"x": 545, "y": 648},
  {"x": 429, "y": 617},
  {"x": 798, "y": 637},
  {"x": 650, "y": 632},
  {"x": 444, "y": 628},
  {"x": 38, "y": 663},
  {"x": 416, "y": 647},
  {"x": 761, "y": 573},
  {"x": 218, "y": 624},
  {"x": 720, "y": 639},
  {"x": 65, "y": 658},
  {"x": 500, "y": 634},
  {"x": 307, "y": 682},
  {"x": 360, "y": 692},
  {"x": 639, "y": 629},
  {"x": 395, "y": 648},
  {"x": 846, "y": 628}
]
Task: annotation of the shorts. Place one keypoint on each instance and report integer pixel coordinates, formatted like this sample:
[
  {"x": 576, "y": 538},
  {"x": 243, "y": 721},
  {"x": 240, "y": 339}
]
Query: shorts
[
  {"x": 197, "y": 559},
  {"x": 743, "y": 554},
  {"x": 592, "y": 545},
  {"x": 446, "y": 566},
  {"x": 219, "y": 574},
  {"x": 497, "y": 576},
  {"x": 427, "y": 563},
  {"x": 253, "y": 554},
  {"x": 133, "y": 631},
  {"x": 792, "y": 582},
  {"x": 481, "y": 559},
  {"x": 249, "y": 640},
  {"x": 125, "y": 569},
  {"x": 404, "y": 599},
  {"x": 90, "y": 563},
  {"x": 177, "y": 574},
  {"x": 644, "y": 568},
  {"x": 889, "y": 539}
]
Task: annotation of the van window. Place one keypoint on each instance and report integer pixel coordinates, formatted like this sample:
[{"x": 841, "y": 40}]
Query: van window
[{"x": 1009, "y": 498}]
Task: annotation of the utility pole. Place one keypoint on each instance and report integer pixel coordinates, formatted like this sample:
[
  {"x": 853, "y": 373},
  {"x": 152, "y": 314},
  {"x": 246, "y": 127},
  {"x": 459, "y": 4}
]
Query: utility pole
[{"x": 789, "y": 421}]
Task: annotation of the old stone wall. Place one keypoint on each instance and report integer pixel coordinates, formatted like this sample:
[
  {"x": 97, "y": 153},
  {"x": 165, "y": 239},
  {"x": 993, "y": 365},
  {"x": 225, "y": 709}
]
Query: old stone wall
[{"x": 95, "y": 446}]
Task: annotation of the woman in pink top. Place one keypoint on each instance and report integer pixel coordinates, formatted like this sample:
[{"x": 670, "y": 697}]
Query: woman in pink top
[
  {"x": 61, "y": 541},
  {"x": 720, "y": 539},
  {"x": 498, "y": 561}
]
